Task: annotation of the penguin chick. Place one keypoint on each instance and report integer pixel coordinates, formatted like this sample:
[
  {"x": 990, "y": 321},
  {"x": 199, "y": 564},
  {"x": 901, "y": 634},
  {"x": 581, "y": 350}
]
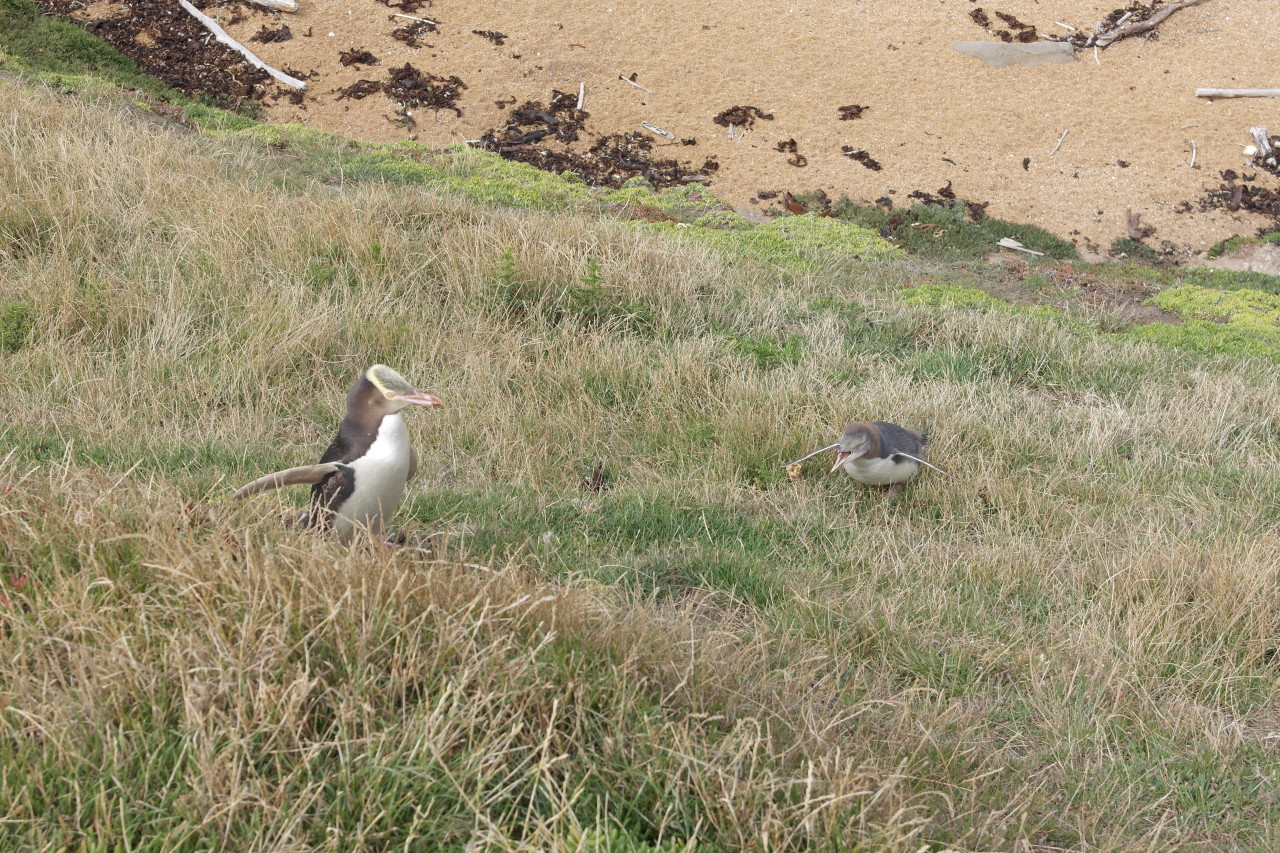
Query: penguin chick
[
  {"x": 360, "y": 479},
  {"x": 881, "y": 454}
]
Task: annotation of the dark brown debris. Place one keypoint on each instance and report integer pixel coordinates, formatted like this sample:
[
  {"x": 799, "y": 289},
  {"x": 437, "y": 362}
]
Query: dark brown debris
[
  {"x": 851, "y": 112},
  {"x": 813, "y": 202},
  {"x": 173, "y": 47},
  {"x": 861, "y": 156},
  {"x": 597, "y": 480},
  {"x": 1133, "y": 222},
  {"x": 356, "y": 57},
  {"x": 744, "y": 117},
  {"x": 406, "y": 6},
  {"x": 360, "y": 90},
  {"x": 790, "y": 146},
  {"x": 1241, "y": 192},
  {"x": 1138, "y": 14},
  {"x": 267, "y": 35},
  {"x": 1017, "y": 31},
  {"x": 414, "y": 89},
  {"x": 412, "y": 33},
  {"x": 947, "y": 196},
  {"x": 492, "y": 35},
  {"x": 540, "y": 135},
  {"x": 532, "y": 121}
]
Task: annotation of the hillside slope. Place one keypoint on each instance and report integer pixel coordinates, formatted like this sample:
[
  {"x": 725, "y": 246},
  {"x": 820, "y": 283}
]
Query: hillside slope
[{"x": 1071, "y": 644}]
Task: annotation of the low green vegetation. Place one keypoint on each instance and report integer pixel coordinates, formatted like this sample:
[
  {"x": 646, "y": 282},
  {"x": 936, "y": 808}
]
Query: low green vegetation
[
  {"x": 947, "y": 230},
  {"x": 1240, "y": 321},
  {"x": 620, "y": 624},
  {"x": 1235, "y": 244},
  {"x": 1128, "y": 247}
]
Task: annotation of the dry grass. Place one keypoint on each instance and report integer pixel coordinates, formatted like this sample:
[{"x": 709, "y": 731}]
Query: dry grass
[{"x": 1071, "y": 645}]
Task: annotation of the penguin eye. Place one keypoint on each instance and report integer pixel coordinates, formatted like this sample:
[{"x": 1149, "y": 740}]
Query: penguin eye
[{"x": 390, "y": 395}]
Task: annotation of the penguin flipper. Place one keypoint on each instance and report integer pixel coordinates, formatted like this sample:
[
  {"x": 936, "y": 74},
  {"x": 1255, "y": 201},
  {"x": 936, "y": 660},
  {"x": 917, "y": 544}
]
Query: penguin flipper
[
  {"x": 328, "y": 495},
  {"x": 302, "y": 475},
  {"x": 922, "y": 462}
]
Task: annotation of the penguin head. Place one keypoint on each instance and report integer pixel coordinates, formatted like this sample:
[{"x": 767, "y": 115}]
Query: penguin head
[
  {"x": 395, "y": 392},
  {"x": 854, "y": 443}
]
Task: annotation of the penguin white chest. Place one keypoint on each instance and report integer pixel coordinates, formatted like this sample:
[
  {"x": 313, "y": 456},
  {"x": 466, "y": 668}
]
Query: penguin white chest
[
  {"x": 881, "y": 472},
  {"x": 380, "y": 477}
]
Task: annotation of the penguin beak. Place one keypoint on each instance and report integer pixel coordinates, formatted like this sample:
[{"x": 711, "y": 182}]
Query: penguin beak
[
  {"x": 418, "y": 398},
  {"x": 843, "y": 456}
]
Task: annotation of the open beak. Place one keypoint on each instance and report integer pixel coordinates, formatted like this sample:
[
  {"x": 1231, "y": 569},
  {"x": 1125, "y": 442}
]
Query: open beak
[
  {"x": 843, "y": 456},
  {"x": 417, "y": 398}
]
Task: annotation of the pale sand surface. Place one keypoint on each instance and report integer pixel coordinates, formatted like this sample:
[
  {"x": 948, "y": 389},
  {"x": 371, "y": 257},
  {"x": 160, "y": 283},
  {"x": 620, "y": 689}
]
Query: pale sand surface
[{"x": 934, "y": 116}]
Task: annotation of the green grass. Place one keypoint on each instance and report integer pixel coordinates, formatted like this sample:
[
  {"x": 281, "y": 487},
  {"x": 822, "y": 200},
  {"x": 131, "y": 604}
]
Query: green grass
[
  {"x": 1069, "y": 643},
  {"x": 52, "y": 47},
  {"x": 946, "y": 231}
]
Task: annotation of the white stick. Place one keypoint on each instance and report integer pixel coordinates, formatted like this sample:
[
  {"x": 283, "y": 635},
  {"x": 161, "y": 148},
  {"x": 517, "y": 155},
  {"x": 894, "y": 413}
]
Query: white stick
[
  {"x": 221, "y": 35},
  {"x": 1095, "y": 55},
  {"x": 1010, "y": 243},
  {"x": 1065, "y": 26},
  {"x": 1238, "y": 93},
  {"x": 653, "y": 128},
  {"x": 1060, "y": 139},
  {"x": 582, "y": 93},
  {"x": 413, "y": 18},
  {"x": 634, "y": 83},
  {"x": 1192, "y": 164}
]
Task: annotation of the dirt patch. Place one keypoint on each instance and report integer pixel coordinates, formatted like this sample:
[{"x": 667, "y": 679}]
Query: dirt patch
[
  {"x": 928, "y": 114},
  {"x": 1074, "y": 287},
  {"x": 1260, "y": 257}
]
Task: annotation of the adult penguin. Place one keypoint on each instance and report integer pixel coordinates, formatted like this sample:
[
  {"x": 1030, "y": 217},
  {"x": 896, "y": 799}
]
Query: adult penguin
[{"x": 360, "y": 479}]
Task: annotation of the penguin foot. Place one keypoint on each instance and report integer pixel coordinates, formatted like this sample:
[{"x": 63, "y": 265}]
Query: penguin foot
[{"x": 295, "y": 520}]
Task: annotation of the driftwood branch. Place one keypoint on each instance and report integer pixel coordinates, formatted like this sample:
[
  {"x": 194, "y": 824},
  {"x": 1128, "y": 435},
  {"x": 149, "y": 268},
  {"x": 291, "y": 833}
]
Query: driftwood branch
[
  {"x": 1103, "y": 39},
  {"x": 221, "y": 35},
  {"x": 1262, "y": 138},
  {"x": 278, "y": 5},
  {"x": 1238, "y": 93}
]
